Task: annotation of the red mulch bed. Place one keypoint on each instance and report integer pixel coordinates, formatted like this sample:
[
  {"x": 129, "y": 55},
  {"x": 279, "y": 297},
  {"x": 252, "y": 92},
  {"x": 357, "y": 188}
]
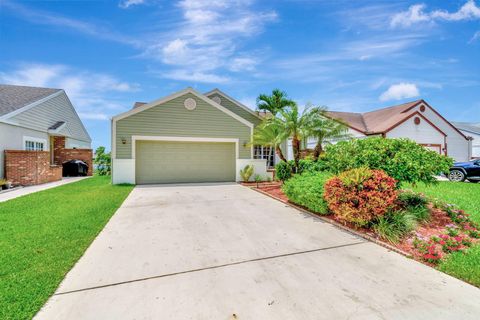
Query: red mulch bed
[{"x": 436, "y": 225}]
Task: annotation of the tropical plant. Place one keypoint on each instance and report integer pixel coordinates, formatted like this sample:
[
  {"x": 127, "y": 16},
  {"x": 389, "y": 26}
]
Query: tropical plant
[
  {"x": 102, "y": 161},
  {"x": 283, "y": 170},
  {"x": 246, "y": 172},
  {"x": 270, "y": 133},
  {"x": 402, "y": 159},
  {"x": 360, "y": 195},
  {"x": 324, "y": 129},
  {"x": 307, "y": 191},
  {"x": 275, "y": 102},
  {"x": 295, "y": 127},
  {"x": 258, "y": 178},
  {"x": 395, "y": 225}
]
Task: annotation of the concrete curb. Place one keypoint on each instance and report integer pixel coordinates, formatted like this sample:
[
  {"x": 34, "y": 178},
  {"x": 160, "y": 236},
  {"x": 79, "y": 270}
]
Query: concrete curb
[{"x": 336, "y": 224}]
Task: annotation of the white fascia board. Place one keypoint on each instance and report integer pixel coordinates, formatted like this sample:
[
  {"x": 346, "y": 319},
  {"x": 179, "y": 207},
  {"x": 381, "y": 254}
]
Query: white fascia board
[
  {"x": 241, "y": 105},
  {"x": 30, "y": 106},
  {"x": 179, "y": 94}
]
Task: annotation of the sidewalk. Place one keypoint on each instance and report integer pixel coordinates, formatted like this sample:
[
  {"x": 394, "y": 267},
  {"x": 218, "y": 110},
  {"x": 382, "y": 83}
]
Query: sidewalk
[{"x": 32, "y": 189}]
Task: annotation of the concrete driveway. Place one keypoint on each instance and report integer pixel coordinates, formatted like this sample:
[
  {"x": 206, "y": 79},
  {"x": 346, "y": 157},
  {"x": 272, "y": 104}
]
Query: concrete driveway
[{"x": 222, "y": 251}]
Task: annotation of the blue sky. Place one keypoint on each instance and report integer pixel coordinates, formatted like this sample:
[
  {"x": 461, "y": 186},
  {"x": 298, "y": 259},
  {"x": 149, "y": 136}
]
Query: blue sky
[{"x": 347, "y": 55}]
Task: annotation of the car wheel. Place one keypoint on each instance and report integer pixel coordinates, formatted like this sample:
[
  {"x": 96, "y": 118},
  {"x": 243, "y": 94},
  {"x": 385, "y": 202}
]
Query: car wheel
[
  {"x": 474, "y": 181},
  {"x": 456, "y": 176}
]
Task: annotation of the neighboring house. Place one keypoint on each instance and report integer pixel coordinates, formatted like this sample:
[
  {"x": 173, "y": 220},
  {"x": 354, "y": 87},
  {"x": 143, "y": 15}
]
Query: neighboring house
[
  {"x": 185, "y": 137},
  {"x": 39, "y": 130},
  {"x": 415, "y": 120},
  {"x": 472, "y": 130}
]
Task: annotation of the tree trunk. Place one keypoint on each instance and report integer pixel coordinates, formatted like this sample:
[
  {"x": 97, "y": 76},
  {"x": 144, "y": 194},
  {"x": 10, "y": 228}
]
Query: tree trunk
[
  {"x": 317, "y": 151},
  {"x": 296, "y": 152},
  {"x": 280, "y": 153}
]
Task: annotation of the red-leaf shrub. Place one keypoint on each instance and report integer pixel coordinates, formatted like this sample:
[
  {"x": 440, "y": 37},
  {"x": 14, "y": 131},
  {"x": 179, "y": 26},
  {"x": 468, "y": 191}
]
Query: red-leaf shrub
[{"x": 360, "y": 195}]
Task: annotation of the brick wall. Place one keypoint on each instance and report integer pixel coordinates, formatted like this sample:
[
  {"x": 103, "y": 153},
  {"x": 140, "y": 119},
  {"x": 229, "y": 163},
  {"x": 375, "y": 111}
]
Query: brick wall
[
  {"x": 30, "y": 167},
  {"x": 61, "y": 155}
]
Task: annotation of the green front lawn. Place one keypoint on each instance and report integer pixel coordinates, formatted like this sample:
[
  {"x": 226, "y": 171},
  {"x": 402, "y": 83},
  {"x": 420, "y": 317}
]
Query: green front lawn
[
  {"x": 466, "y": 265},
  {"x": 43, "y": 234}
]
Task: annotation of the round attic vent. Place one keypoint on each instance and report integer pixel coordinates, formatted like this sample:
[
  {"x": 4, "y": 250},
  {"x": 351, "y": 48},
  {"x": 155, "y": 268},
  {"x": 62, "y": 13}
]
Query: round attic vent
[
  {"x": 217, "y": 99},
  {"x": 422, "y": 108},
  {"x": 190, "y": 104},
  {"x": 416, "y": 120}
]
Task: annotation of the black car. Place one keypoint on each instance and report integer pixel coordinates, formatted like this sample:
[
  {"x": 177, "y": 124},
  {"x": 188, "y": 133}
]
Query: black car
[{"x": 469, "y": 170}]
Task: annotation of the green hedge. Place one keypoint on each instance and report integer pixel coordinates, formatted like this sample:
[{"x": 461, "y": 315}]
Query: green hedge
[
  {"x": 307, "y": 190},
  {"x": 402, "y": 159}
]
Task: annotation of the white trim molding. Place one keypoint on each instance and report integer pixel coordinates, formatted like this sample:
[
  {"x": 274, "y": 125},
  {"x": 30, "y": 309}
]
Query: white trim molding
[
  {"x": 179, "y": 94},
  {"x": 184, "y": 139}
]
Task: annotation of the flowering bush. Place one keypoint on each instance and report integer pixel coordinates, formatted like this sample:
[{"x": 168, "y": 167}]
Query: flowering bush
[
  {"x": 360, "y": 195},
  {"x": 428, "y": 250}
]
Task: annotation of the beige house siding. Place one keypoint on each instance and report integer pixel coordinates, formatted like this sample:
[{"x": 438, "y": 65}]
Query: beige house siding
[
  {"x": 173, "y": 119},
  {"x": 49, "y": 112},
  {"x": 236, "y": 109}
]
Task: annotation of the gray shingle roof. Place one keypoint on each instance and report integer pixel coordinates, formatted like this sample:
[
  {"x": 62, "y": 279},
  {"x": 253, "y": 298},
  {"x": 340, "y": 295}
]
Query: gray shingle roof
[
  {"x": 468, "y": 126},
  {"x": 15, "y": 97}
]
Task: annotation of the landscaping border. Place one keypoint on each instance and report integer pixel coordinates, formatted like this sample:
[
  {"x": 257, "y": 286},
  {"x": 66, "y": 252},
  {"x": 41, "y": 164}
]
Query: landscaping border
[{"x": 334, "y": 223}]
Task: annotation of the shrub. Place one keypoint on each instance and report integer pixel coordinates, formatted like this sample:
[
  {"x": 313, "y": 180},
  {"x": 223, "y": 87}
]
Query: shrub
[
  {"x": 246, "y": 172},
  {"x": 395, "y": 225},
  {"x": 307, "y": 190},
  {"x": 283, "y": 170},
  {"x": 402, "y": 159},
  {"x": 360, "y": 195},
  {"x": 415, "y": 204},
  {"x": 409, "y": 198}
]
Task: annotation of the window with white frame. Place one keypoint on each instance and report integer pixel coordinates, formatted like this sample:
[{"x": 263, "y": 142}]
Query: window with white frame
[
  {"x": 33, "y": 144},
  {"x": 267, "y": 153}
]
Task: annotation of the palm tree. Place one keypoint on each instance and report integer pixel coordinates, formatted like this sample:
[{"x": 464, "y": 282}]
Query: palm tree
[
  {"x": 275, "y": 102},
  {"x": 270, "y": 133},
  {"x": 295, "y": 126},
  {"x": 324, "y": 129}
]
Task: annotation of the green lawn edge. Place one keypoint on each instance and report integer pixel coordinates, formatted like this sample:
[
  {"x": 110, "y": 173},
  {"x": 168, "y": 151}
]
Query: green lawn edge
[
  {"x": 42, "y": 236},
  {"x": 461, "y": 265}
]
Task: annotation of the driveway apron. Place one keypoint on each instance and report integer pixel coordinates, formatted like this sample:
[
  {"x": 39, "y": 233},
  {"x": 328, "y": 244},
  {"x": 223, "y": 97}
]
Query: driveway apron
[{"x": 223, "y": 251}]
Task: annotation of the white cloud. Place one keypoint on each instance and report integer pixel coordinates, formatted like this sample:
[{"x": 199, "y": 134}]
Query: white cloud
[
  {"x": 400, "y": 91},
  {"x": 124, "y": 4},
  {"x": 413, "y": 15},
  {"x": 243, "y": 64},
  {"x": 416, "y": 14},
  {"x": 93, "y": 94},
  {"x": 47, "y": 18},
  {"x": 469, "y": 11},
  {"x": 195, "y": 76},
  {"x": 207, "y": 39},
  {"x": 475, "y": 37}
]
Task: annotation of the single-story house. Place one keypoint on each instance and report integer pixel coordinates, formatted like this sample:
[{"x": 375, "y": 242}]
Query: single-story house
[
  {"x": 193, "y": 137},
  {"x": 185, "y": 137},
  {"x": 472, "y": 130},
  {"x": 415, "y": 120},
  {"x": 39, "y": 130}
]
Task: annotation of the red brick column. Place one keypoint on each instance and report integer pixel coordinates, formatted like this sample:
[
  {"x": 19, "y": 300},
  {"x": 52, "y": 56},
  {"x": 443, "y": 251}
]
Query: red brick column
[{"x": 61, "y": 155}]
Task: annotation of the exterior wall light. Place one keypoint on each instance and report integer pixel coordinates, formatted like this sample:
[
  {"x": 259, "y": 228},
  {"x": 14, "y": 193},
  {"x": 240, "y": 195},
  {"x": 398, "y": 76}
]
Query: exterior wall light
[{"x": 124, "y": 141}]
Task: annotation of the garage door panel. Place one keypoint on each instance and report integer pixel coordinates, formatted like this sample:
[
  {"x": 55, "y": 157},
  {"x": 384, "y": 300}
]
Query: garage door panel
[{"x": 173, "y": 162}]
